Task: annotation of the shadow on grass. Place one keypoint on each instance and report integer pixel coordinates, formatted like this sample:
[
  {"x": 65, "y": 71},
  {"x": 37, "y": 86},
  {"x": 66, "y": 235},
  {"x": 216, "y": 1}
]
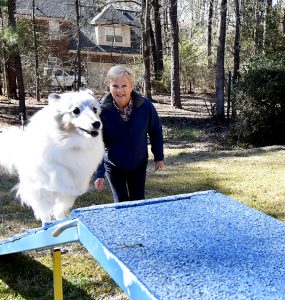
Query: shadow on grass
[
  {"x": 183, "y": 175},
  {"x": 276, "y": 215},
  {"x": 27, "y": 277},
  {"x": 206, "y": 155},
  {"x": 158, "y": 185},
  {"x": 10, "y": 207},
  {"x": 188, "y": 122}
]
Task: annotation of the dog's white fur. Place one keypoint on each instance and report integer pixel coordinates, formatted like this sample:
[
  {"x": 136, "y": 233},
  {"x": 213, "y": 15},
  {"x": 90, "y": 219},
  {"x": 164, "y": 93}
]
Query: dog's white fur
[{"x": 56, "y": 154}]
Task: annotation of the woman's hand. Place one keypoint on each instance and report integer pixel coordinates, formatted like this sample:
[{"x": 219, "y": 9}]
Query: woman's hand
[
  {"x": 159, "y": 165},
  {"x": 99, "y": 184}
]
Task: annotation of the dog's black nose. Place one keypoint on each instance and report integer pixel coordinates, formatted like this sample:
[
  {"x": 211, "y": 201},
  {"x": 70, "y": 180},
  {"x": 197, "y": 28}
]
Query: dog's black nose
[{"x": 96, "y": 125}]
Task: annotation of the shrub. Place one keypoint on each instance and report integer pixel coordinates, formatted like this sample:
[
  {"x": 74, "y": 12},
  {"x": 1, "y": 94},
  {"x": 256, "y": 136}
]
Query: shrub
[
  {"x": 160, "y": 87},
  {"x": 260, "y": 101}
]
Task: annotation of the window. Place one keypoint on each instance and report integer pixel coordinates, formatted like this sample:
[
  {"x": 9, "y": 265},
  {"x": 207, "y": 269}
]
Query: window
[
  {"x": 114, "y": 35},
  {"x": 52, "y": 61},
  {"x": 58, "y": 72},
  {"x": 54, "y": 30}
]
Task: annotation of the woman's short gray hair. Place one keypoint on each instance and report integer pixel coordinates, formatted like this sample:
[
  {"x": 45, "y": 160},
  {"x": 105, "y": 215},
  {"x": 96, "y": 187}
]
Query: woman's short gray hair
[{"x": 117, "y": 71}]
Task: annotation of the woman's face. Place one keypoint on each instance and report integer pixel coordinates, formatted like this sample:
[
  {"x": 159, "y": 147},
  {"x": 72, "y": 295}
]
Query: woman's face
[{"x": 121, "y": 88}]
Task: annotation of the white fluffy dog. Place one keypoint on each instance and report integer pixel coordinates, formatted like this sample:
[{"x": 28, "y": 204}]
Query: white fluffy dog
[{"x": 56, "y": 154}]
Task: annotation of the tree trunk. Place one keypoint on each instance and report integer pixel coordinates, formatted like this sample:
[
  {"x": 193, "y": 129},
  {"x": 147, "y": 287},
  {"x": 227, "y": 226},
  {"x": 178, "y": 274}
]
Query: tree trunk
[
  {"x": 3, "y": 55},
  {"x": 236, "y": 51},
  {"x": 153, "y": 50},
  {"x": 10, "y": 72},
  {"x": 220, "y": 69},
  {"x": 258, "y": 31},
  {"x": 78, "y": 46},
  {"x": 36, "y": 52},
  {"x": 283, "y": 21},
  {"x": 267, "y": 12},
  {"x": 145, "y": 17},
  {"x": 10, "y": 69},
  {"x": 229, "y": 97},
  {"x": 18, "y": 63},
  {"x": 255, "y": 26},
  {"x": 210, "y": 23},
  {"x": 158, "y": 40},
  {"x": 21, "y": 89},
  {"x": 174, "y": 33},
  {"x": 237, "y": 43}
]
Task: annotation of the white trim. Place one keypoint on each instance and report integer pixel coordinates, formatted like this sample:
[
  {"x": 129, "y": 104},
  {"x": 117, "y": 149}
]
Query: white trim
[{"x": 106, "y": 53}]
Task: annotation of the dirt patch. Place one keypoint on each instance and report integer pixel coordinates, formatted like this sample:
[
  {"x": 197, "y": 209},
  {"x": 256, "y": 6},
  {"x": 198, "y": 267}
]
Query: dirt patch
[
  {"x": 195, "y": 106},
  {"x": 9, "y": 110},
  {"x": 195, "y": 113}
]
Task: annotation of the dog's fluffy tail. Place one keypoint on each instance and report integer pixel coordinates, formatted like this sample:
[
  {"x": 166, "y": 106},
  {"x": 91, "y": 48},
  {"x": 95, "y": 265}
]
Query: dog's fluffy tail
[{"x": 10, "y": 149}]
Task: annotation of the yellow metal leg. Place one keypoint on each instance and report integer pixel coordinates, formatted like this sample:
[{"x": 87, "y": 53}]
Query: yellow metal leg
[{"x": 57, "y": 275}]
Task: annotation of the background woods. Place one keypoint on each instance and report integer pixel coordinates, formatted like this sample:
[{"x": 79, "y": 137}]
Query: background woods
[
  {"x": 175, "y": 47},
  {"x": 183, "y": 54}
]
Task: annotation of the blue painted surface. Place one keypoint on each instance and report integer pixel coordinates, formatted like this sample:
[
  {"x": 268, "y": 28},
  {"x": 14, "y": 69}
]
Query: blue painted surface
[
  {"x": 200, "y": 246},
  {"x": 194, "y": 246},
  {"x": 38, "y": 238},
  {"x": 126, "y": 279}
]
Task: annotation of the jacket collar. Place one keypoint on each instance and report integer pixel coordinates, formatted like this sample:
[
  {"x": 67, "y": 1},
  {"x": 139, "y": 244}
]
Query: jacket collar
[{"x": 107, "y": 100}]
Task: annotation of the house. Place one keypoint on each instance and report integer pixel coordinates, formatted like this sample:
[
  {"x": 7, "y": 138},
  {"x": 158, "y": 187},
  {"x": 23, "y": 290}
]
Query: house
[{"x": 108, "y": 37}]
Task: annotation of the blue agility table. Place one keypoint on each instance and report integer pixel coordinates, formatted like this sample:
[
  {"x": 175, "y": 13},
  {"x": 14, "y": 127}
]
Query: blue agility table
[{"x": 202, "y": 245}]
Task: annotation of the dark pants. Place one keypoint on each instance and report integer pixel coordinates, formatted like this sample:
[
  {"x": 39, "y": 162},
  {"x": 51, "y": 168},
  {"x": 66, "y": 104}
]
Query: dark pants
[{"x": 126, "y": 185}]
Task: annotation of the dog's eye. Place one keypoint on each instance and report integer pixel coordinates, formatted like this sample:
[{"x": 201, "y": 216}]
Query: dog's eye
[
  {"x": 95, "y": 110},
  {"x": 76, "y": 111}
]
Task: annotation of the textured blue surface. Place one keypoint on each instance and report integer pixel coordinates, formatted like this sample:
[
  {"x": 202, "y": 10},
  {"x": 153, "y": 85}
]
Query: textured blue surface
[
  {"x": 38, "y": 238},
  {"x": 196, "y": 246},
  {"x": 193, "y": 246}
]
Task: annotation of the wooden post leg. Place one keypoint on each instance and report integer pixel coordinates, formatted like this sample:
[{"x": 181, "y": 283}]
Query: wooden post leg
[{"x": 57, "y": 275}]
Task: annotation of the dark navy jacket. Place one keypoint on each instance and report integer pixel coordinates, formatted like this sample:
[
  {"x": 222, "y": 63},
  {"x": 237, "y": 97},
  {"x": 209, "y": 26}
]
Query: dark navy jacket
[{"x": 126, "y": 142}]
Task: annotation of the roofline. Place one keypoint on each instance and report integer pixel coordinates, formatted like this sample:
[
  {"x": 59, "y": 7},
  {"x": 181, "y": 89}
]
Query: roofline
[
  {"x": 44, "y": 18},
  {"x": 105, "y": 53}
]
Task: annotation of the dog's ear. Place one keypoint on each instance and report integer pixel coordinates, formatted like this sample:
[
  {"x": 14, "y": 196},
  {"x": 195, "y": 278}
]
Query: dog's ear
[
  {"x": 86, "y": 90},
  {"x": 53, "y": 98}
]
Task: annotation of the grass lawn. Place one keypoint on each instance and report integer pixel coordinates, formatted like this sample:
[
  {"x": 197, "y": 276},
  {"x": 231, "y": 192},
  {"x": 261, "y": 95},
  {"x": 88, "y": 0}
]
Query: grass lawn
[{"x": 196, "y": 160}]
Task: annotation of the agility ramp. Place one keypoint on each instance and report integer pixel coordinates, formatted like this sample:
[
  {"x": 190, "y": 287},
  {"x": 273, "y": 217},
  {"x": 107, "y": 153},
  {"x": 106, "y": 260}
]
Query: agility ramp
[{"x": 192, "y": 246}]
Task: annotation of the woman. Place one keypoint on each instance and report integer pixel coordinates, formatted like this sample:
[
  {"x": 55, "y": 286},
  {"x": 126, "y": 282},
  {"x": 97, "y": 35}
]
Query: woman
[{"x": 127, "y": 119}]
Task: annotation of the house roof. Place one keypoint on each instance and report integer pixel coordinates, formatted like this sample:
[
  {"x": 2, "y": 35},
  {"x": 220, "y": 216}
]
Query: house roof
[
  {"x": 88, "y": 45},
  {"x": 65, "y": 10},
  {"x": 111, "y": 15},
  {"x": 62, "y": 9}
]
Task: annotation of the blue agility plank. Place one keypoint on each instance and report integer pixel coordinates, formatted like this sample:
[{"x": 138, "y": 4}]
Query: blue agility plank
[
  {"x": 194, "y": 246},
  {"x": 39, "y": 238}
]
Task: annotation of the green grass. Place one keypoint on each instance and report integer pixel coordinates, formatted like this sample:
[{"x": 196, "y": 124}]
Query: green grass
[
  {"x": 255, "y": 177},
  {"x": 181, "y": 134}
]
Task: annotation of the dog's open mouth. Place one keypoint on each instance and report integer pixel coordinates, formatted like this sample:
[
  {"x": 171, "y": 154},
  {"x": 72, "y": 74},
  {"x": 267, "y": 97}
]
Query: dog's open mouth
[{"x": 93, "y": 133}]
